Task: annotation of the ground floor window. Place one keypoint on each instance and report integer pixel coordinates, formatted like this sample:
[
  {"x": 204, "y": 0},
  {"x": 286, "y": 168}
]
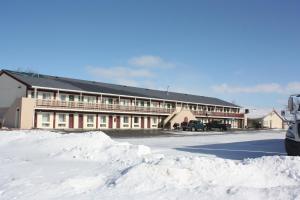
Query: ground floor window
[
  {"x": 46, "y": 120},
  {"x": 136, "y": 122},
  {"x": 62, "y": 120},
  {"x": 103, "y": 121},
  {"x": 125, "y": 121},
  {"x": 154, "y": 122},
  {"x": 90, "y": 121}
]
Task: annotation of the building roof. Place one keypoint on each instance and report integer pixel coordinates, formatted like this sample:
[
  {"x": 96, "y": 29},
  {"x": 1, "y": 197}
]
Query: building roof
[
  {"x": 264, "y": 115},
  {"x": 46, "y": 81}
]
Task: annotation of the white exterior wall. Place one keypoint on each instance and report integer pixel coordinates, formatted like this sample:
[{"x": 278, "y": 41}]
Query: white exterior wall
[
  {"x": 10, "y": 90},
  {"x": 75, "y": 121}
]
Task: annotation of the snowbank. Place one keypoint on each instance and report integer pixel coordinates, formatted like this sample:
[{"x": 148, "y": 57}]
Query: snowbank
[{"x": 47, "y": 165}]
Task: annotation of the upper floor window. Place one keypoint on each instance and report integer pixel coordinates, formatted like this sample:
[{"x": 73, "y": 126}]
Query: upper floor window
[
  {"x": 46, "y": 96},
  {"x": 90, "y": 99},
  {"x": 71, "y": 97},
  {"x": 63, "y": 97}
]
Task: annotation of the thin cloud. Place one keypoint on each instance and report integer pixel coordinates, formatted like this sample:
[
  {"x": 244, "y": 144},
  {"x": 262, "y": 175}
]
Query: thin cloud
[
  {"x": 150, "y": 61},
  {"x": 293, "y": 87},
  {"x": 119, "y": 72}
]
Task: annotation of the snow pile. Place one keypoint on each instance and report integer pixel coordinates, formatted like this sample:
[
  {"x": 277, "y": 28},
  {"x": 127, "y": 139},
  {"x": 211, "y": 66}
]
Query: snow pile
[{"x": 47, "y": 165}]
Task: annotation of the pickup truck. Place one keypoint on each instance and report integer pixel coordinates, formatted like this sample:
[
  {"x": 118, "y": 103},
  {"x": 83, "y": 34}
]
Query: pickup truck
[
  {"x": 193, "y": 125},
  {"x": 217, "y": 125}
]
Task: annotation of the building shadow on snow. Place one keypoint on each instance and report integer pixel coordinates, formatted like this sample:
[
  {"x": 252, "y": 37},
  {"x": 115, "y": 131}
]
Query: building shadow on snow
[{"x": 240, "y": 150}]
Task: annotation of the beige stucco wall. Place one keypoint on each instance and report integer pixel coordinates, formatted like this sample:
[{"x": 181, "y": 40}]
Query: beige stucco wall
[
  {"x": 10, "y": 90},
  {"x": 27, "y": 113},
  {"x": 180, "y": 116},
  {"x": 272, "y": 120}
]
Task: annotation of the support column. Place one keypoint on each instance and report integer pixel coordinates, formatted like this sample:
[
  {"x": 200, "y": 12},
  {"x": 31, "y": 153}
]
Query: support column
[{"x": 35, "y": 93}]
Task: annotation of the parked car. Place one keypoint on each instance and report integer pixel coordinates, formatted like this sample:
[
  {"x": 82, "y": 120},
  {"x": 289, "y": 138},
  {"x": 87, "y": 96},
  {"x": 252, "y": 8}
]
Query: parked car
[
  {"x": 217, "y": 125},
  {"x": 176, "y": 126},
  {"x": 184, "y": 125},
  {"x": 195, "y": 125}
]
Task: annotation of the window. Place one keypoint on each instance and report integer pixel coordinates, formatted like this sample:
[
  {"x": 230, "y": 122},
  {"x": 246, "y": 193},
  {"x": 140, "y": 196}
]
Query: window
[
  {"x": 125, "y": 120},
  {"x": 90, "y": 99},
  {"x": 154, "y": 122},
  {"x": 62, "y": 120},
  {"x": 102, "y": 121},
  {"x": 142, "y": 103},
  {"x": 90, "y": 121},
  {"x": 136, "y": 120},
  {"x": 71, "y": 97},
  {"x": 46, "y": 96},
  {"x": 46, "y": 120},
  {"x": 63, "y": 97},
  {"x": 32, "y": 94},
  {"x": 110, "y": 101}
]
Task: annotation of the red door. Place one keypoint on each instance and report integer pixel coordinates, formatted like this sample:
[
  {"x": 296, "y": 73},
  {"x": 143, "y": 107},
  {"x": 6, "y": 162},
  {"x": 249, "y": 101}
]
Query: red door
[
  {"x": 71, "y": 121},
  {"x": 35, "y": 120},
  {"x": 118, "y": 122},
  {"x": 148, "y": 124},
  {"x": 110, "y": 122},
  {"x": 142, "y": 122},
  {"x": 80, "y": 121}
]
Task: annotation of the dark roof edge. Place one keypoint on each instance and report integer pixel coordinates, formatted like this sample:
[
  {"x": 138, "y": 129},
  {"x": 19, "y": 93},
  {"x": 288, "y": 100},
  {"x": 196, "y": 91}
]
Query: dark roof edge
[{"x": 4, "y": 71}]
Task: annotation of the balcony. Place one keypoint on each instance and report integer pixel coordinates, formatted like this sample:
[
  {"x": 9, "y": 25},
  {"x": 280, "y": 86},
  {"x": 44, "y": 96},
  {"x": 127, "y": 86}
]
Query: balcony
[
  {"x": 97, "y": 107},
  {"x": 217, "y": 114}
]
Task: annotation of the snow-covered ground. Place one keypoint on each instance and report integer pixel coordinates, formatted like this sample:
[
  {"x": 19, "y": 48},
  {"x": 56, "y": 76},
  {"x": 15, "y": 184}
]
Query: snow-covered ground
[
  {"x": 233, "y": 145},
  {"x": 45, "y": 165}
]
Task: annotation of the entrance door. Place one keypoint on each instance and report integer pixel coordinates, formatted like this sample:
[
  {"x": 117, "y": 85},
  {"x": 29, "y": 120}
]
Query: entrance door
[
  {"x": 142, "y": 122},
  {"x": 118, "y": 121},
  {"x": 71, "y": 120},
  {"x": 80, "y": 121},
  {"x": 110, "y": 121},
  {"x": 148, "y": 124}
]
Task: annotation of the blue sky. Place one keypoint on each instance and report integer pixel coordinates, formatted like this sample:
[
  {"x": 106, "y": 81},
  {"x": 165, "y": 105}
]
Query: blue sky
[{"x": 238, "y": 50}]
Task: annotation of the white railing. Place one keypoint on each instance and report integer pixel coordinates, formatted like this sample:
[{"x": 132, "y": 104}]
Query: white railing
[
  {"x": 100, "y": 107},
  {"x": 218, "y": 114}
]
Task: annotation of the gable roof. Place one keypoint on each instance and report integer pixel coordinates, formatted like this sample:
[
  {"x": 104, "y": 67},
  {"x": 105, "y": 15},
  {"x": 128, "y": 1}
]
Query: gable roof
[{"x": 46, "y": 81}]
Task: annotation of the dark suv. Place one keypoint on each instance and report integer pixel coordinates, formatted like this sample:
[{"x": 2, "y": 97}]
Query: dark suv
[
  {"x": 217, "y": 125},
  {"x": 193, "y": 125}
]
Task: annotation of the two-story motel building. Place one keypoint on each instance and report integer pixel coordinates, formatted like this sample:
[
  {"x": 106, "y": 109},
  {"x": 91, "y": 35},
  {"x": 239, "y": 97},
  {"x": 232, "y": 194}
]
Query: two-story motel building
[{"x": 30, "y": 100}]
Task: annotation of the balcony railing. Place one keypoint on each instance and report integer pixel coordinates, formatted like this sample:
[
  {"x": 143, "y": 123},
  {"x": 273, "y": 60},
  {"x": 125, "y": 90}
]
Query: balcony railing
[
  {"x": 99, "y": 107},
  {"x": 217, "y": 114}
]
